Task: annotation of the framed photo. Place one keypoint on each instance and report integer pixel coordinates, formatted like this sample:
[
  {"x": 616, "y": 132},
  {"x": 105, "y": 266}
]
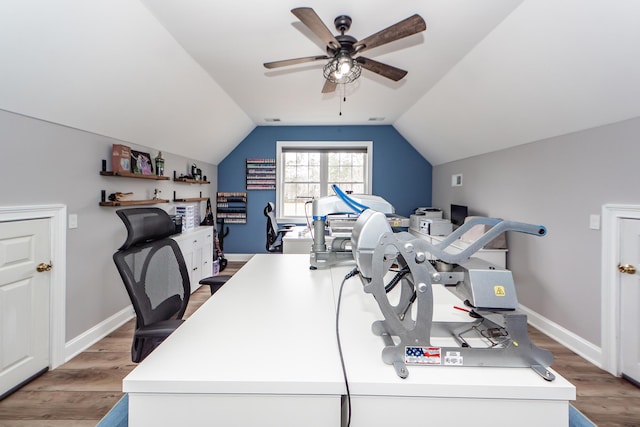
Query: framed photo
[
  {"x": 141, "y": 163},
  {"x": 121, "y": 158}
]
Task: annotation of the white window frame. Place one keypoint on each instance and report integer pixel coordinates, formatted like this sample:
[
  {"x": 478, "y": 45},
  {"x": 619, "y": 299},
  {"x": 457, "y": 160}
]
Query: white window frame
[{"x": 320, "y": 145}]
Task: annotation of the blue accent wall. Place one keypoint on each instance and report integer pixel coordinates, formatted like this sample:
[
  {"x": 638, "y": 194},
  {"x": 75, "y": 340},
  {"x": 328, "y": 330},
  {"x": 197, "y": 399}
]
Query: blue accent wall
[{"x": 400, "y": 174}]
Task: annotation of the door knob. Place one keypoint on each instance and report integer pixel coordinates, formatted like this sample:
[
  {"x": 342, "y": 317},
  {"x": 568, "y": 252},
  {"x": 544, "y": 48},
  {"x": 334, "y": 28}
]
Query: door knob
[
  {"x": 627, "y": 268},
  {"x": 43, "y": 267}
]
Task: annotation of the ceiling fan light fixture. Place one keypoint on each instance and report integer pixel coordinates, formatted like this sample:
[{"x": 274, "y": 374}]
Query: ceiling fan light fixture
[
  {"x": 342, "y": 69},
  {"x": 341, "y": 48}
]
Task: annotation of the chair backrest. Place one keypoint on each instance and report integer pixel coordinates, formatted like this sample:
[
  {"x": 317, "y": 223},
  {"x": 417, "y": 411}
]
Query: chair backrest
[
  {"x": 152, "y": 266},
  {"x": 272, "y": 224}
]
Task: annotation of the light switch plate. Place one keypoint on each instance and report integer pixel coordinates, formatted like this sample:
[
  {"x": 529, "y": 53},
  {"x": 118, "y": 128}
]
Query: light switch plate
[
  {"x": 73, "y": 221},
  {"x": 594, "y": 222},
  {"x": 456, "y": 180}
]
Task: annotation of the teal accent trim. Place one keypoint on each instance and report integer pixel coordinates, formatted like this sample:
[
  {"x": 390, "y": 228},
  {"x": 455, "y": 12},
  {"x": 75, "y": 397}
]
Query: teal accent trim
[
  {"x": 577, "y": 418},
  {"x": 118, "y": 416}
]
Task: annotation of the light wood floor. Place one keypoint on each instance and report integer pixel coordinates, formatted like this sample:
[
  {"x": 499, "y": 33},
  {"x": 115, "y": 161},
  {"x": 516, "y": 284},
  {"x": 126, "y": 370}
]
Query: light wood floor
[{"x": 81, "y": 392}]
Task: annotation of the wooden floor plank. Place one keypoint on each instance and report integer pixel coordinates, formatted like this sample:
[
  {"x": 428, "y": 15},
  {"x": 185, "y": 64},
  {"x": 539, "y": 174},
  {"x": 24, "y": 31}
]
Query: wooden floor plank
[
  {"x": 58, "y": 405},
  {"x": 48, "y": 423},
  {"x": 607, "y": 411},
  {"x": 100, "y": 360},
  {"x": 93, "y": 379}
]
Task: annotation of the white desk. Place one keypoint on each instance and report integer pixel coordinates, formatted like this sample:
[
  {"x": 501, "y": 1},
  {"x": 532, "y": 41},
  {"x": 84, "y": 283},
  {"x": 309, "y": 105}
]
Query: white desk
[
  {"x": 299, "y": 241},
  {"x": 263, "y": 351}
]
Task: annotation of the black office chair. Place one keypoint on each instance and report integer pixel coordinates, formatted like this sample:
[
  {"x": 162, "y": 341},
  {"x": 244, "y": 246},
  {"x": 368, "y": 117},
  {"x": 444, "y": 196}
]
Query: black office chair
[
  {"x": 274, "y": 232},
  {"x": 155, "y": 275}
]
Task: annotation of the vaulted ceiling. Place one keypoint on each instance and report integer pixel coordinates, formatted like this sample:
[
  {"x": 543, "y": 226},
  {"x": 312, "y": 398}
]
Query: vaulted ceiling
[{"x": 187, "y": 76}]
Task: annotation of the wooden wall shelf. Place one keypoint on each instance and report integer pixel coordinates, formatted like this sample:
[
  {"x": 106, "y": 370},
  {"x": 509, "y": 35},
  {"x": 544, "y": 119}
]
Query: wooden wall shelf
[
  {"x": 134, "y": 202},
  {"x": 191, "y": 199},
  {"x": 134, "y": 175},
  {"x": 191, "y": 181},
  {"x": 188, "y": 180},
  {"x": 125, "y": 174}
]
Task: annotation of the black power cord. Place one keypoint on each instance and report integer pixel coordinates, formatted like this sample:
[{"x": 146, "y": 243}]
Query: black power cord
[{"x": 344, "y": 369}]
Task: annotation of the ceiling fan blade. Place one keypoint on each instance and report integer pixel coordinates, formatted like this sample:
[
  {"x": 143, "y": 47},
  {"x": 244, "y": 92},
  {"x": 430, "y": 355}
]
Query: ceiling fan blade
[
  {"x": 384, "y": 70},
  {"x": 309, "y": 18},
  {"x": 284, "y": 63},
  {"x": 412, "y": 25},
  {"x": 329, "y": 86}
]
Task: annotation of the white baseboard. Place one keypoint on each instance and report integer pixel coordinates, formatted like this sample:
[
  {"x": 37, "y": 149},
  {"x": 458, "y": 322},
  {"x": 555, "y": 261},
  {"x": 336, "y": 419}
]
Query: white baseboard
[
  {"x": 88, "y": 338},
  {"x": 573, "y": 342},
  {"x": 238, "y": 257}
]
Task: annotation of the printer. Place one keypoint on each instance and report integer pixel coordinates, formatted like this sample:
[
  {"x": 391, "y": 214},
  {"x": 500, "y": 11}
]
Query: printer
[{"x": 429, "y": 221}]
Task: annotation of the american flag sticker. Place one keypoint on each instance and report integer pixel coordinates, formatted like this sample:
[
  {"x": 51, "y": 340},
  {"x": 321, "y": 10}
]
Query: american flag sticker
[{"x": 415, "y": 355}]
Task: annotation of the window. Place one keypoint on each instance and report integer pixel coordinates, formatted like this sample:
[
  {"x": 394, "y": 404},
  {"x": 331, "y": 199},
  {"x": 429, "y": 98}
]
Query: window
[{"x": 306, "y": 170}]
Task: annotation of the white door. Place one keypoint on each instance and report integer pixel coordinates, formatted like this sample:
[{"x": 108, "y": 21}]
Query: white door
[
  {"x": 24, "y": 301},
  {"x": 630, "y": 298}
]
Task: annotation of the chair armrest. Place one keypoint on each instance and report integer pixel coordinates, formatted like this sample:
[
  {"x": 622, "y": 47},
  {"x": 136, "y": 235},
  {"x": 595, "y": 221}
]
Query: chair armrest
[
  {"x": 285, "y": 228},
  {"x": 215, "y": 282}
]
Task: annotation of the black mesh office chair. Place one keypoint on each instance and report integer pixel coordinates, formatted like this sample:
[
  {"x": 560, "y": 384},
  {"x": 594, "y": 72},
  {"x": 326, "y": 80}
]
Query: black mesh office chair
[
  {"x": 274, "y": 232},
  {"x": 155, "y": 275}
]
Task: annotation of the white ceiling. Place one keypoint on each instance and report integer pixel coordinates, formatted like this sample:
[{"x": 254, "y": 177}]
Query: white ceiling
[{"x": 187, "y": 77}]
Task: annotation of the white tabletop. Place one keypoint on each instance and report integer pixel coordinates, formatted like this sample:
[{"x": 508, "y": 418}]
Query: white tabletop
[{"x": 271, "y": 330}]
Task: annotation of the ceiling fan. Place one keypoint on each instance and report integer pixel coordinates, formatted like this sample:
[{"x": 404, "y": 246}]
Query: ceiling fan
[{"x": 343, "y": 50}]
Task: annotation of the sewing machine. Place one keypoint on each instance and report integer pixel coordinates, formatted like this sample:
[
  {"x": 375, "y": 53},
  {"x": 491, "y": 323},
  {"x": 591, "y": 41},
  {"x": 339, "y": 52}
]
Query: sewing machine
[
  {"x": 490, "y": 330},
  {"x": 338, "y": 214}
]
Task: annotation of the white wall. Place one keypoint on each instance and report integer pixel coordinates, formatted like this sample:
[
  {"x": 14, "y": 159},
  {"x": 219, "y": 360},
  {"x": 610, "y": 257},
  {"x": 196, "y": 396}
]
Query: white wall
[
  {"x": 44, "y": 163},
  {"x": 111, "y": 68},
  {"x": 559, "y": 183}
]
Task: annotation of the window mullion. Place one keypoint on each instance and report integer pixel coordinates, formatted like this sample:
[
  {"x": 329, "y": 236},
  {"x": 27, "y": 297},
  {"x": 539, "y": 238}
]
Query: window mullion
[{"x": 324, "y": 173}]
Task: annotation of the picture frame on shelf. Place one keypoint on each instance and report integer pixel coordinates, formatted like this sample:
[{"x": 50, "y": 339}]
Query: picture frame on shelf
[
  {"x": 120, "y": 158},
  {"x": 141, "y": 163}
]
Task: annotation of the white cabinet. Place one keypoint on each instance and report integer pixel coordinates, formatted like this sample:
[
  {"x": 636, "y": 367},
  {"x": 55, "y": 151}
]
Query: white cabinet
[
  {"x": 197, "y": 249},
  {"x": 497, "y": 257},
  {"x": 299, "y": 241}
]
